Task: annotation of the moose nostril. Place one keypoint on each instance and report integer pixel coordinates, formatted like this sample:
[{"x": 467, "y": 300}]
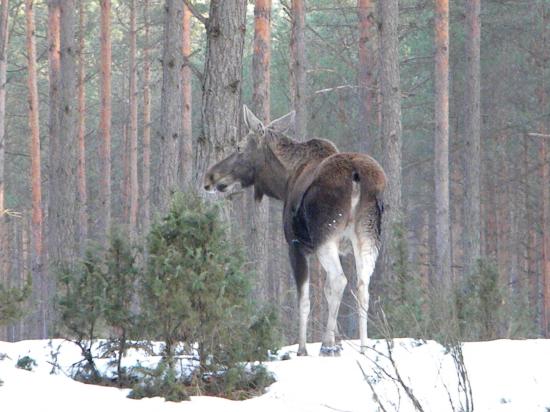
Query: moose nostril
[{"x": 206, "y": 187}]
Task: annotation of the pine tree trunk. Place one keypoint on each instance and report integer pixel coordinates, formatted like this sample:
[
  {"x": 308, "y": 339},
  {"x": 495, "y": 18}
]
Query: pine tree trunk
[
  {"x": 125, "y": 182},
  {"x": 17, "y": 269},
  {"x": 391, "y": 131},
  {"x": 4, "y": 227},
  {"x": 261, "y": 60},
  {"x": 298, "y": 64},
  {"x": 502, "y": 210},
  {"x": 55, "y": 149},
  {"x": 257, "y": 236},
  {"x": 472, "y": 131},
  {"x": 441, "y": 149},
  {"x": 365, "y": 10},
  {"x": 544, "y": 176},
  {"x": 133, "y": 133},
  {"x": 531, "y": 256},
  {"x": 221, "y": 101},
  {"x": 186, "y": 144},
  {"x": 171, "y": 123},
  {"x": 104, "y": 221},
  {"x": 82, "y": 193},
  {"x": 146, "y": 171},
  {"x": 39, "y": 286},
  {"x": 28, "y": 327},
  {"x": 65, "y": 250},
  {"x": 62, "y": 212},
  {"x": 3, "y": 68}
]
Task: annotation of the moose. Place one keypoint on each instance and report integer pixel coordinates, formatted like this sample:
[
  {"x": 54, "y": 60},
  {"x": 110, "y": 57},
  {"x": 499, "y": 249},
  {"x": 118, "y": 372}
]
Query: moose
[{"x": 329, "y": 198}]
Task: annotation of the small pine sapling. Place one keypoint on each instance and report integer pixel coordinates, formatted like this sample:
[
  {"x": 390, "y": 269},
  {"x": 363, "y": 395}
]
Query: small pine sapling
[
  {"x": 12, "y": 301},
  {"x": 194, "y": 290},
  {"x": 81, "y": 304},
  {"x": 121, "y": 276}
]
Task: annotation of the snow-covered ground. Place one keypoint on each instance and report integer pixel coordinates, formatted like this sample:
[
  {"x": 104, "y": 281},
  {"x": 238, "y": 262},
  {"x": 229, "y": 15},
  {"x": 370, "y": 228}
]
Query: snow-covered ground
[{"x": 505, "y": 376}]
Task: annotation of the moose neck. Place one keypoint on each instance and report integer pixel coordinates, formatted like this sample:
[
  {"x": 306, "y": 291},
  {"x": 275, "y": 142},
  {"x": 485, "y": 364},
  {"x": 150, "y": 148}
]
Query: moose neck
[
  {"x": 271, "y": 176},
  {"x": 282, "y": 158}
]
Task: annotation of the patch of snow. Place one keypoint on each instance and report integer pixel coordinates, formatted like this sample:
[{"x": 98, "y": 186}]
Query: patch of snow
[{"x": 505, "y": 376}]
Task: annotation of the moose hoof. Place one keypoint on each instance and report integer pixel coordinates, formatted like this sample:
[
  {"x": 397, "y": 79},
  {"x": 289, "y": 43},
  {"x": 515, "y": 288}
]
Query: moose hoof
[
  {"x": 302, "y": 352},
  {"x": 330, "y": 350}
]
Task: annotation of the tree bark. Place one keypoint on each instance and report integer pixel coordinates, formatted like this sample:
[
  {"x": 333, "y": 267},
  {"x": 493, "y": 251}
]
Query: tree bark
[
  {"x": 531, "y": 241},
  {"x": 261, "y": 60},
  {"x": 55, "y": 176},
  {"x": 441, "y": 149},
  {"x": 146, "y": 171},
  {"x": 68, "y": 128},
  {"x": 82, "y": 193},
  {"x": 472, "y": 132},
  {"x": 54, "y": 64},
  {"x": 4, "y": 34},
  {"x": 104, "y": 221},
  {"x": 133, "y": 132},
  {"x": 171, "y": 123},
  {"x": 391, "y": 131},
  {"x": 365, "y": 13},
  {"x": 125, "y": 182},
  {"x": 186, "y": 144},
  {"x": 221, "y": 101},
  {"x": 298, "y": 64},
  {"x": 544, "y": 176},
  {"x": 39, "y": 285},
  {"x": 257, "y": 237}
]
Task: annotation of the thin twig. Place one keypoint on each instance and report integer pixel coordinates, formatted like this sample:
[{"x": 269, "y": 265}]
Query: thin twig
[
  {"x": 371, "y": 386},
  {"x": 539, "y": 135},
  {"x": 195, "y": 12}
]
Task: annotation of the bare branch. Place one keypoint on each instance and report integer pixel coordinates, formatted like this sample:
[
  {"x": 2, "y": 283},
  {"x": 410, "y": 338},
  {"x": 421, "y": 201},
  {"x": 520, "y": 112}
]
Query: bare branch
[
  {"x": 9, "y": 212},
  {"x": 196, "y": 71},
  {"x": 546, "y": 136},
  {"x": 375, "y": 394},
  {"x": 195, "y": 12}
]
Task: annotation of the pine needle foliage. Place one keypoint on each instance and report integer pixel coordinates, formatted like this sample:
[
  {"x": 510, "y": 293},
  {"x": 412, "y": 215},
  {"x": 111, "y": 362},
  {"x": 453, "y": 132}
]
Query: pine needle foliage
[
  {"x": 194, "y": 290},
  {"x": 12, "y": 300},
  {"x": 80, "y": 302},
  {"x": 121, "y": 276},
  {"x": 404, "y": 299},
  {"x": 96, "y": 296}
]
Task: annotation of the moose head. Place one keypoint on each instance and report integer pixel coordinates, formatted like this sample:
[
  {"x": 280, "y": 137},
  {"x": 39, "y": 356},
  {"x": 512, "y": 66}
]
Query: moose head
[{"x": 247, "y": 164}]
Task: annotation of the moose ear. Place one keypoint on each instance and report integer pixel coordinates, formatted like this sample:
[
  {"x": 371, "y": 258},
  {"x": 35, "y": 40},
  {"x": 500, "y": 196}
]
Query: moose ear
[
  {"x": 252, "y": 122},
  {"x": 283, "y": 124}
]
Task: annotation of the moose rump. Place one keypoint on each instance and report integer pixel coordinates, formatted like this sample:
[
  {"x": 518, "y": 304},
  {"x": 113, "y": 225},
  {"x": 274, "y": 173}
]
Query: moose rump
[
  {"x": 328, "y": 197},
  {"x": 335, "y": 200}
]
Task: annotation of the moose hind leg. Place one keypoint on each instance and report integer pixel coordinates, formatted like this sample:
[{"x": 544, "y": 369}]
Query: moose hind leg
[
  {"x": 365, "y": 258},
  {"x": 300, "y": 268},
  {"x": 334, "y": 289}
]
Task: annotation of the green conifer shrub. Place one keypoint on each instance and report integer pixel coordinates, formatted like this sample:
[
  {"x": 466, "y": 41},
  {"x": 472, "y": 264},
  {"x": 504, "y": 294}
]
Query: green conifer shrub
[
  {"x": 81, "y": 299},
  {"x": 12, "y": 301},
  {"x": 194, "y": 290},
  {"x": 26, "y": 363},
  {"x": 121, "y": 276},
  {"x": 404, "y": 298}
]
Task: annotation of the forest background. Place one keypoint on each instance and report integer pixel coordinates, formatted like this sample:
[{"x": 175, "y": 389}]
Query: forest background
[{"x": 108, "y": 107}]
